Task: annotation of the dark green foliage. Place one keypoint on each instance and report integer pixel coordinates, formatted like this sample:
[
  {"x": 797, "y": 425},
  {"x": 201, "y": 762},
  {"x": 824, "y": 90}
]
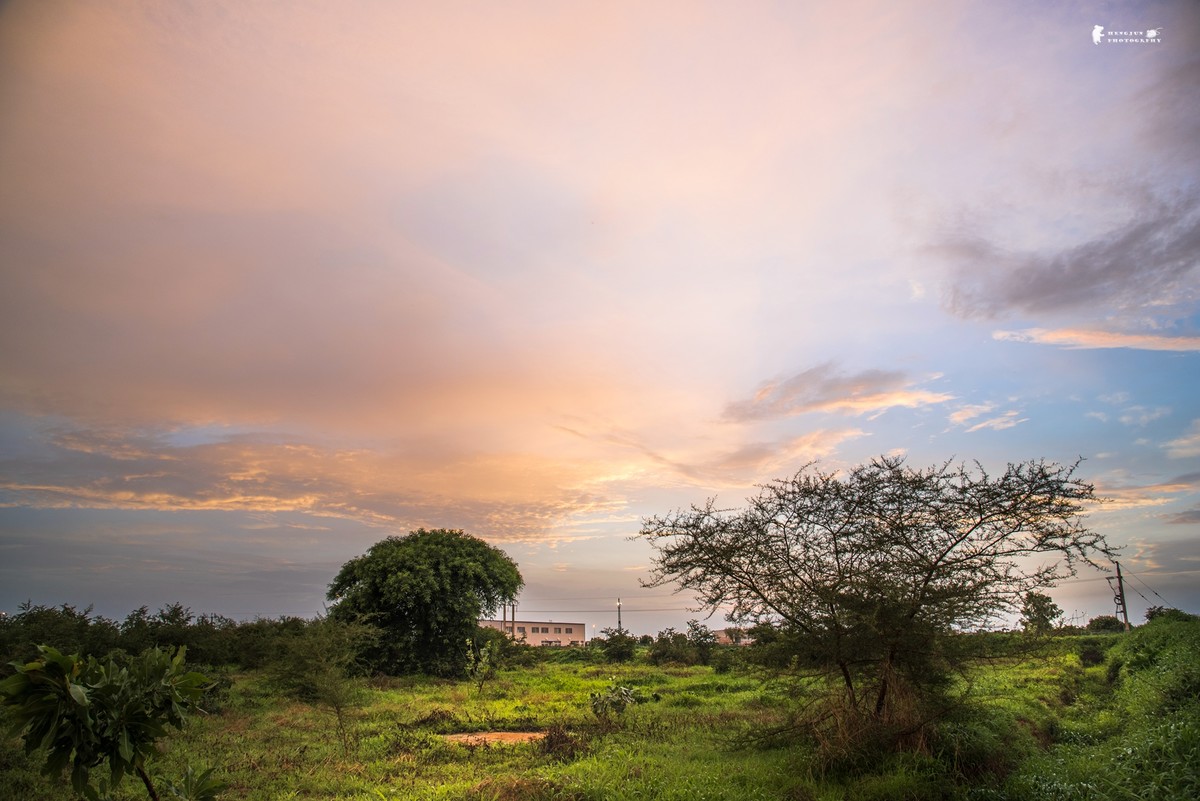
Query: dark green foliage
[
  {"x": 507, "y": 652},
  {"x": 1105, "y": 623},
  {"x": 671, "y": 647},
  {"x": 74, "y": 630},
  {"x": 774, "y": 646},
  {"x": 255, "y": 643},
  {"x": 425, "y": 591},
  {"x": 702, "y": 641},
  {"x": 1151, "y": 747},
  {"x": 725, "y": 658},
  {"x": 696, "y": 647},
  {"x": 309, "y": 662},
  {"x": 86, "y": 712},
  {"x": 1093, "y": 649},
  {"x": 210, "y": 639},
  {"x": 618, "y": 645},
  {"x": 1167, "y": 613},
  {"x": 1039, "y": 614}
]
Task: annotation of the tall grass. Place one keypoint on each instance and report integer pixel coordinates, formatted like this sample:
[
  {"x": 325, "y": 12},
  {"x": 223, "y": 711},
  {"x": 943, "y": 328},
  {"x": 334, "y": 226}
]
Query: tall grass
[
  {"x": 1140, "y": 740},
  {"x": 1053, "y": 727}
]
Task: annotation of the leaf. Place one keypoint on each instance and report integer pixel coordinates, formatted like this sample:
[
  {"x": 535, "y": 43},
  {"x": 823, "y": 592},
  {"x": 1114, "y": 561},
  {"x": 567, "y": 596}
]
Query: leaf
[
  {"x": 78, "y": 694},
  {"x": 125, "y": 748}
]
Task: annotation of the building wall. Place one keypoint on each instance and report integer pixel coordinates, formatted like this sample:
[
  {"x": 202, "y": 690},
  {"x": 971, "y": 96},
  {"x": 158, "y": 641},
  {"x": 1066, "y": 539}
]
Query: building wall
[{"x": 541, "y": 632}]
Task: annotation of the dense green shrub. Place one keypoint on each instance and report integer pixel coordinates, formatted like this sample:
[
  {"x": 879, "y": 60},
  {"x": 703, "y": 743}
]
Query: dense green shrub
[
  {"x": 308, "y": 663},
  {"x": 1158, "y": 667},
  {"x": 671, "y": 647},
  {"x": 1147, "y": 745},
  {"x": 617, "y": 645},
  {"x": 210, "y": 639},
  {"x": 507, "y": 652},
  {"x": 72, "y": 630},
  {"x": 83, "y": 713},
  {"x": 1167, "y": 613},
  {"x": 1108, "y": 623}
]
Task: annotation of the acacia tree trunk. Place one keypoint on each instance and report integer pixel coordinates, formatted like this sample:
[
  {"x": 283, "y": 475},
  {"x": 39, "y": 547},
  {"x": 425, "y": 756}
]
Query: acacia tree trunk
[
  {"x": 881, "y": 698},
  {"x": 885, "y": 677},
  {"x": 849, "y": 682}
]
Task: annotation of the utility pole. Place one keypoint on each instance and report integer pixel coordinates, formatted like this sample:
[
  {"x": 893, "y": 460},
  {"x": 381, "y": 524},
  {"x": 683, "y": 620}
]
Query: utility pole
[
  {"x": 619, "y": 615},
  {"x": 1119, "y": 595}
]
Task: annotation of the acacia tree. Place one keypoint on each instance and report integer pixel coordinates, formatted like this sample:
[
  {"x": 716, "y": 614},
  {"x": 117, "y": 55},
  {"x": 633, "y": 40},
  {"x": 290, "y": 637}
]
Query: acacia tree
[
  {"x": 878, "y": 568},
  {"x": 426, "y": 592}
]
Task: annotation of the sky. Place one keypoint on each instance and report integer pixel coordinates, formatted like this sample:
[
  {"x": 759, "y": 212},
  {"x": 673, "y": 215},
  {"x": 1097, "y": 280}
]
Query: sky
[{"x": 282, "y": 279}]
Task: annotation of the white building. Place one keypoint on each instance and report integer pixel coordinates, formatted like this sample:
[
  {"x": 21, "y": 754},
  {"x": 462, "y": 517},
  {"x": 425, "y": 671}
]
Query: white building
[{"x": 541, "y": 632}]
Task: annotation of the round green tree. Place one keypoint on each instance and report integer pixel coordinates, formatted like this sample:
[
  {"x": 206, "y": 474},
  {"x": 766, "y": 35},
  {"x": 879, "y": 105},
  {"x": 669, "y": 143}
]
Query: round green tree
[{"x": 426, "y": 592}]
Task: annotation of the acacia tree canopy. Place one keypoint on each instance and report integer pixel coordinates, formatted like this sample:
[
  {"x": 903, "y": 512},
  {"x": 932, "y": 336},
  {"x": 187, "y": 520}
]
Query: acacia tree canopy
[
  {"x": 426, "y": 592},
  {"x": 876, "y": 568}
]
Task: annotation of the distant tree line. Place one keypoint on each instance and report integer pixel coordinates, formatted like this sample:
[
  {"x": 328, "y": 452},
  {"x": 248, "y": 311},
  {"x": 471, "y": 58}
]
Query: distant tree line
[{"x": 210, "y": 639}]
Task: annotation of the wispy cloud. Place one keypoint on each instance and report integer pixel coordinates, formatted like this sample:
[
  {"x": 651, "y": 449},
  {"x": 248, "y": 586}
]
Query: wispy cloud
[
  {"x": 1189, "y": 517},
  {"x": 502, "y": 496},
  {"x": 1092, "y": 339},
  {"x": 759, "y": 459},
  {"x": 1187, "y": 445},
  {"x": 966, "y": 413},
  {"x": 1001, "y": 422},
  {"x": 1148, "y": 261},
  {"x": 825, "y": 389},
  {"x": 1121, "y": 496},
  {"x": 1141, "y": 415}
]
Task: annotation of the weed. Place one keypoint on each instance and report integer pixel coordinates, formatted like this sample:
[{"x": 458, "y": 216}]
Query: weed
[{"x": 562, "y": 745}]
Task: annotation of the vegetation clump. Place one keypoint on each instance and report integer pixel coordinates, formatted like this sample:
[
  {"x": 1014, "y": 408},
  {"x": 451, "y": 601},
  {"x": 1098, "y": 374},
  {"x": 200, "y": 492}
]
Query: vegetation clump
[
  {"x": 84, "y": 713},
  {"x": 425, "y": 591},
  {"x": 870, "y": 577}
]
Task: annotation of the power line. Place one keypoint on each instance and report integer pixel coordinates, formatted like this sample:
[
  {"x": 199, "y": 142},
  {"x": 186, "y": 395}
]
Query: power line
[
  {"x": 607, "y": 609},
  {"x": 1151, "y": 589}
]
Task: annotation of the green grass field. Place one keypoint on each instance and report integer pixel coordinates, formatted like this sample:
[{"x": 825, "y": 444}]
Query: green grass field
[{"x": 1125, "y": 725}]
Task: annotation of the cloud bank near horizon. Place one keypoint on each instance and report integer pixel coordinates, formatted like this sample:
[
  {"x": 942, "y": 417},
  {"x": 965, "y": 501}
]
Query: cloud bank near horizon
[{"x": 538, "y": 272}]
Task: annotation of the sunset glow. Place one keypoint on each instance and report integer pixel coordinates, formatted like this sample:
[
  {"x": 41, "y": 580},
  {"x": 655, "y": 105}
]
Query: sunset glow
[{"x": 282, "y": 280}]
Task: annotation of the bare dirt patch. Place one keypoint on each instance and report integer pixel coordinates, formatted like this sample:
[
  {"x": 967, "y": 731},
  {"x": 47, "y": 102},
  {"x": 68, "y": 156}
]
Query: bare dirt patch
[{"x": 490, "y": 737}]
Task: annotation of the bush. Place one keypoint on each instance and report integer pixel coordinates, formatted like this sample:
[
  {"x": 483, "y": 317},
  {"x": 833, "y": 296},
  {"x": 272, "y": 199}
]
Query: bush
[
  {"x": 309, "y": 661},
  {"x": 1146, "y": 746},
  {"x": 671, "y": 647},
  {"x": 618, "y": 645},
  {"x": 1168, "y": 613},
  {"x": 85, "y": 712},
  {"x": 560, "y": 744},
  {"x": 70, "y": 629},
  {"x": 612, "y": 701},
  {"x": 507, "y": 652},
  {"x": 1108, "y": 623},
  {"x": 725, "y": 659}
]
